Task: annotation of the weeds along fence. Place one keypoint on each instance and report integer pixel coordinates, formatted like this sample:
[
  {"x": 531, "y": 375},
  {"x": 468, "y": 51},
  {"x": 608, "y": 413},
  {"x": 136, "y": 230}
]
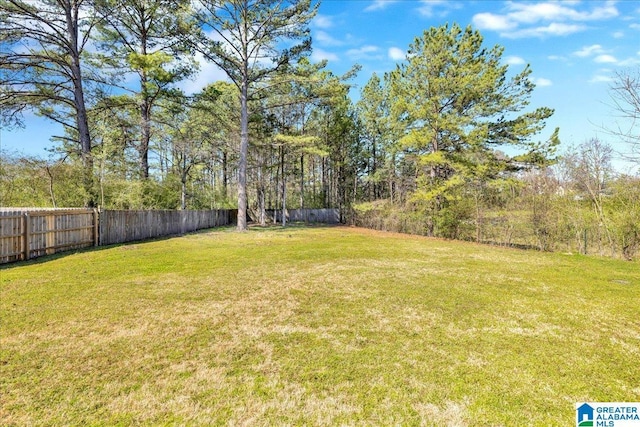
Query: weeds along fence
[
  {"x": 519, "y": 231},
  {"x": 30, "y": 233}
]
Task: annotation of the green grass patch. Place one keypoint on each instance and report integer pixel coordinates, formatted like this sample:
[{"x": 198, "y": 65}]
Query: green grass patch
[{"x": 315, "y": 326}]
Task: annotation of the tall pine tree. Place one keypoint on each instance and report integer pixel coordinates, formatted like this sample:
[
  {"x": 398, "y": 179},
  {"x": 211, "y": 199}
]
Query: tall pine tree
[
  {"x": 245, "y": 41},
  {"x": 42, "y": 44},
  {"x": 457, "y": 107},
  {"x": 143, "y": 37}
]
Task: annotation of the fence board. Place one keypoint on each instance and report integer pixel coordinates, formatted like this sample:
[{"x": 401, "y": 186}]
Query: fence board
[
  {"x": 11, "y": 236},
  {"x": 30, "y": 233},
  {"x": 325, "y": 216},
  {"x": 129, "y": 226}
]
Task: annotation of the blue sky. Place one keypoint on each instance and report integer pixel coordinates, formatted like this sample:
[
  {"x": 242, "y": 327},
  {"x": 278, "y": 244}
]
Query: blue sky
[{"x": 573, "y": 47}]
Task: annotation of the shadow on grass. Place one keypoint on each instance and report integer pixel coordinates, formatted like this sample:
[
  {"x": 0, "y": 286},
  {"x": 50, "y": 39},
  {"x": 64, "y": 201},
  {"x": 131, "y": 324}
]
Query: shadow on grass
[
  {"x": 227, "y": 228},
  {"x": 278, "y": 228},
  {"x": 47, "y": 258}
]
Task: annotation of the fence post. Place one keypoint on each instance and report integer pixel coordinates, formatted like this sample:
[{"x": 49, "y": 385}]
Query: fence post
[
  {"x": 26, "y": 228},
  {"x": 96, "y": 227},
  {"x": 50, "y": 236}
]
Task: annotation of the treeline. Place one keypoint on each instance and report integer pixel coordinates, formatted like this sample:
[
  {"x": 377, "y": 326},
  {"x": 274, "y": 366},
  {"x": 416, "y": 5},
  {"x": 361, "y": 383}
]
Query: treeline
[
  {"x": 452, "y": 152},
  {"x": 299, "y": 154},
  {"x": 579, "y": 205},
  {"x": 446, "y": 144},
  {"x": 279, "y": 131}
]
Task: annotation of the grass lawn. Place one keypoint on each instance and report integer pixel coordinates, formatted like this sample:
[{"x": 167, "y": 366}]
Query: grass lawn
[{"x": 315, "y": 326}]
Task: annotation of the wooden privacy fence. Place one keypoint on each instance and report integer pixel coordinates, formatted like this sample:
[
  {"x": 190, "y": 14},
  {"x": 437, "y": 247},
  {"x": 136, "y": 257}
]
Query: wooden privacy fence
[
  {"x": 128, "y": 226},
  {"x": 30, "y": 233},
  {"x": 326, "y": 216}
]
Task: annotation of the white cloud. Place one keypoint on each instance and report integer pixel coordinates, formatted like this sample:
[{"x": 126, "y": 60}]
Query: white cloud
[
  {"x": 536, "y": 12},
  {"x": 605, "y": 59},
  {"x": 397, "y": 54},
  {"x": 553, "y": 29},
  {"x": 556, "y": 58},
  {"x": 629, "y": 62},
  {"x": 556, "y": 11},
  {"x": 379, "y": 5},
  {"x": 364, "y": 49},
  {"x": 514, "y": 60},
  {"x": 362, "y": 53},
  {"x": 322, "y": 21},
  {"x": 542, "y": 82},
  {"x": 594, "y": 49},
  {"x": 208, "y": 73},
  {"x": 604, "y": 12},
  {"x": 635, "y": 26},
  {"x": 490, "y": 21},
  {"x": 318, "y": 55},
  {"x": 543, "y": 19},
  {"x": 618, "y": 34},
  {"x": 428, "y": 7},
  {"x": 600, "y": 55},
  {"x": 600, "y": 78},
  {"x": 325, "y": 39}
]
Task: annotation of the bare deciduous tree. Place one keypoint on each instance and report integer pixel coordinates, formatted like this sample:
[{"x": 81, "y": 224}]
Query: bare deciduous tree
[
  {"x": 591, "y": 170},
  {"x": 625, "y": 95}
]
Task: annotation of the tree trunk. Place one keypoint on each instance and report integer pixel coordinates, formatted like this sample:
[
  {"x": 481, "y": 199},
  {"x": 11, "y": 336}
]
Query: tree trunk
[
  {"x": 478, "y": 218},
  {"x": 302, "y": 181},
  {"x": 261, "y": 205},
  {"x": 145, "y": 114},
  {"x": 284, "y": 189},
  {"x": 242, "y": 162},
  {"x": 260, "y": 190},
  {"x": 183, "y": 181},
  {"x": 225, "y": 176},
  {"x": 183, "y": 195},
  {"x": 51, "y": 192},
  {"x": 392, "y": 178},
  {"x": 325, "y": 183},
  {"x": 82, "y": 120},
  {"x": 145, "y": 138},
  {"x": 375, "y": 169}
]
